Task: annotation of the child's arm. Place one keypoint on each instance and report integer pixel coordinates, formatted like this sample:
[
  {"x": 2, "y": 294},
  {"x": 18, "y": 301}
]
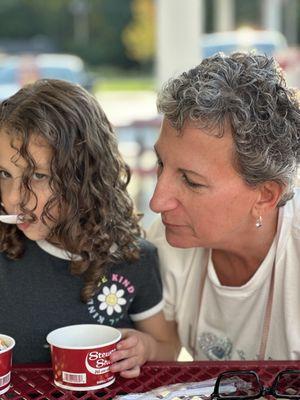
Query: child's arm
[{"x": 155, "y": 340}]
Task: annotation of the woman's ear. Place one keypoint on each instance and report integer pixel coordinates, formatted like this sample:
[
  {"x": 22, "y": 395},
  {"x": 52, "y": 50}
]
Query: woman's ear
[{"x": 269, "y": 195}]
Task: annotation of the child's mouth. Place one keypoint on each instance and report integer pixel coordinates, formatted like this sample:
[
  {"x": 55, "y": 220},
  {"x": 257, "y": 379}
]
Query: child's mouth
[{"x": 23, "y": 226}]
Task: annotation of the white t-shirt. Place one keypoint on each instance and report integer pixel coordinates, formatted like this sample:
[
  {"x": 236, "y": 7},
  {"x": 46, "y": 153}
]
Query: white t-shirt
[{"x": 230, "y": 323}]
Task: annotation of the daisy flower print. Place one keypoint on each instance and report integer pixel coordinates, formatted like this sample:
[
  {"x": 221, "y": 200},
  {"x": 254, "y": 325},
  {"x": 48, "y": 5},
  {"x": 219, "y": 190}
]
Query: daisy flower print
[{"x": 111, "y": 299}]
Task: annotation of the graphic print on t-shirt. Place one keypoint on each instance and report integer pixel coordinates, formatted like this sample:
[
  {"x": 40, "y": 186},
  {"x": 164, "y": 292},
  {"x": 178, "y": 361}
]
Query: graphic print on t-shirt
[
  {"x": 112, "y": 300},
  {"x": 215, "y": 348}
]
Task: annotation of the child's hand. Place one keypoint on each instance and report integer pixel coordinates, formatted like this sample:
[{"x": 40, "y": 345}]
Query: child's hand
[
  {"x": 155, "y": 340},
  {"x": 132, "y": 352}
]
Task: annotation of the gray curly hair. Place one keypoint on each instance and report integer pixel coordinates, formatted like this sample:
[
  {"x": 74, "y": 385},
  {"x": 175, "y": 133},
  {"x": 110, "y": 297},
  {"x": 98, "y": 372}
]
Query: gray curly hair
[{"x": 249, "y": 92}]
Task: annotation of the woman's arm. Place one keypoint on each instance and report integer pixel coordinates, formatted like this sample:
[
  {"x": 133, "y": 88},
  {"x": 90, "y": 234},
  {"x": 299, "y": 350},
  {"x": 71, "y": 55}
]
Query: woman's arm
[{"x": 154, "y": 340}]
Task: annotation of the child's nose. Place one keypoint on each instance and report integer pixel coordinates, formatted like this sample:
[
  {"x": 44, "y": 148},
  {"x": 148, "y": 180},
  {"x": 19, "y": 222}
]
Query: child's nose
[{"x": 13, "y": 195}]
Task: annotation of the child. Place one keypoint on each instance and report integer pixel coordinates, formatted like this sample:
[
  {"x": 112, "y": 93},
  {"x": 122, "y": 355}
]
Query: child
[{"x": 77, "y": 257}]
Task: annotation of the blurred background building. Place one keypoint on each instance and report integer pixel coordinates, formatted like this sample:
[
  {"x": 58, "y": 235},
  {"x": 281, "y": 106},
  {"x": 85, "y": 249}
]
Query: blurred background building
[{"x": 123, "y": 50}]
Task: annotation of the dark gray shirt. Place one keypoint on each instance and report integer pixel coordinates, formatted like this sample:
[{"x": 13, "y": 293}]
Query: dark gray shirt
[{"x": 38, "y": 294}]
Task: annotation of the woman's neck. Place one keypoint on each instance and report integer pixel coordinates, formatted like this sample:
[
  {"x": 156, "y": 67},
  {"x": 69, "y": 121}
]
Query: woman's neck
[{"x": 236, "y": 264}]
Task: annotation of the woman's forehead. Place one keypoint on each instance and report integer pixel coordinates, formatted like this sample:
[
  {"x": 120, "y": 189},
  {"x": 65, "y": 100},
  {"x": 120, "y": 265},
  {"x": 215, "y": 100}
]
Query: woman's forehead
[
  {"x": 194, "y": 138},
  {"x": 197, "y": 151}
]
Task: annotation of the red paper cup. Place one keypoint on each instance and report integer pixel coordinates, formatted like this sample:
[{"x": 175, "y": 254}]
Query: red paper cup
[
  {"x": 5, "y": 363},
  {"x": 80, "y": 356}
]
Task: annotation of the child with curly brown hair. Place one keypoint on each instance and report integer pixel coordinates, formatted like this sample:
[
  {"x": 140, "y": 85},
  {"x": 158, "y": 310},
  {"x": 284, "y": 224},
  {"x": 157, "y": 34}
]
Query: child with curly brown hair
[{"x": 77, "y": 255}]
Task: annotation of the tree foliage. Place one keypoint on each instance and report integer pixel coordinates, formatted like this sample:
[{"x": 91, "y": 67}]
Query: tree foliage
[
  {"x": 118, "y": 32},
  {"x": 56, "y": 20},
  {"x": 139, "y": 35}
]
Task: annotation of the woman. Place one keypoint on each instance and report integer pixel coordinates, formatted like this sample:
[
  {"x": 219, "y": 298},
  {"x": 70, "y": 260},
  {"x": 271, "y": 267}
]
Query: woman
[{"x": 229, "y": 235}]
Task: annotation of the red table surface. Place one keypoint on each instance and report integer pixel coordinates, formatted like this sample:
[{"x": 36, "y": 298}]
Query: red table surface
[{"x": 36, "y": 381}]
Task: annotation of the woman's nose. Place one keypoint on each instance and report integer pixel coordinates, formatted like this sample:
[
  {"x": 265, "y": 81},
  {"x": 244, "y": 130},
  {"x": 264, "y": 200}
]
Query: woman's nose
[{"x": 164, "y": 196}]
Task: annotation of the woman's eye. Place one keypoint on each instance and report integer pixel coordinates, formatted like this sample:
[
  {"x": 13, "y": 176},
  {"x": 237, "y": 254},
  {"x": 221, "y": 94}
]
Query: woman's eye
[
  {"x": 159, "y": 163},
  {"x": 189, "y": 183},
  {"x": 4, "y": 174},
  {"x": 159, "y": 167},
  {"x": 39, "y": 177}
]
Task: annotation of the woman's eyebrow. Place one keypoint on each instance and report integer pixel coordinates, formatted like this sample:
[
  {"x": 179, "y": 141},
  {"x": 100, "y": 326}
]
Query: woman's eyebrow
[
  {"x": 185, "y": 170},
  {"x": 192, "y": 172}
]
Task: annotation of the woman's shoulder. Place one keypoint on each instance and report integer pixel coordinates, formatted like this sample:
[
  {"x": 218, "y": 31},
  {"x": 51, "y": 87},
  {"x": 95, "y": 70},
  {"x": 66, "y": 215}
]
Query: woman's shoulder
[
  {"x": 291, "y": 210},
  {"x": 289, "y": 221},
  {"x": 296, "y": 212}
]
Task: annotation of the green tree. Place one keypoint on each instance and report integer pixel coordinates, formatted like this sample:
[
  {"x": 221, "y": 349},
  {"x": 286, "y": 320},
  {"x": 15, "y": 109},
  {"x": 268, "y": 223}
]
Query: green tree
[
  {"x": 27, "y": 18},
  {"x": 55, "y": 20},
  {"x": 139, "y": 35},
  {"x": 108, "y": 18}
]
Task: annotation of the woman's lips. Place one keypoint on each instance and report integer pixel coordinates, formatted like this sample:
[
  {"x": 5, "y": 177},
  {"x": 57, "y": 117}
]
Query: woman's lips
[{"x": 171, "y": 225}]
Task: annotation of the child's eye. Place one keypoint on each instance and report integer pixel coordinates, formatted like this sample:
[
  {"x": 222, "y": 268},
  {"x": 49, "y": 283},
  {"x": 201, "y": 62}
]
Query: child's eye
[
  {"x": 4, "y": 174},
  {"x": 39, "y": 177},
  {"x": 189, "y": 183}
]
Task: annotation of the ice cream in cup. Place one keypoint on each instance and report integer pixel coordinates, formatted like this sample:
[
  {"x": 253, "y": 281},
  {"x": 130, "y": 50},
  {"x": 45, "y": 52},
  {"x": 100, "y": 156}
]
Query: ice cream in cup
[
  {"x": 81, "y": 356},
  {"x": 6, "y": 347}
]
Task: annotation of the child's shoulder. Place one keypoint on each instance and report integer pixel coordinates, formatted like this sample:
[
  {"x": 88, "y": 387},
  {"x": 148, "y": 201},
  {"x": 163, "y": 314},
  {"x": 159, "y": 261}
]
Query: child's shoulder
[
  {"x": 148, "y": 255},
  {"x": 146, "y": 248},
  {"x": 146, "y": 261}
]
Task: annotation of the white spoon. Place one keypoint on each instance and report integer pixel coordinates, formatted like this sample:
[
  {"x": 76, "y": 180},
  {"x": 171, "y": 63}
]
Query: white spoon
[{"x": 11, "y": 219}]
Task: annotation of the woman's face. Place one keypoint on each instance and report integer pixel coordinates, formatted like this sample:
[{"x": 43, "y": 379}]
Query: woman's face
[
  {"x": 12, "y": 167},
  {"x": 201, "y": 198}
]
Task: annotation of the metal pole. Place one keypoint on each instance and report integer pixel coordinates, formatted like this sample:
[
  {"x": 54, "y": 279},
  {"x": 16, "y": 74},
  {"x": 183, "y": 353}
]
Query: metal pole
[
  {"x": 79, "y": 9},
  {"x": 224, "y": 15},
  {"x": 271, "y": 14},
  {"x": 179, "y": 27},
  {"x": 291, "y": 21}
]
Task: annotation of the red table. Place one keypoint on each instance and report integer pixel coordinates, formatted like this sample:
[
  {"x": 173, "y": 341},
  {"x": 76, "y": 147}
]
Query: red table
[{"x": 36, "y": 381}]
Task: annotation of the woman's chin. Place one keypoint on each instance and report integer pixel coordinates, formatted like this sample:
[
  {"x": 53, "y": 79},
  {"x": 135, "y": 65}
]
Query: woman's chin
[{"x": 177, "y": 241}]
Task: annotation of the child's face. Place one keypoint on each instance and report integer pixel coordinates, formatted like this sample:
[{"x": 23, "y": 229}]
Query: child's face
[{"x": 12, "y": 167}]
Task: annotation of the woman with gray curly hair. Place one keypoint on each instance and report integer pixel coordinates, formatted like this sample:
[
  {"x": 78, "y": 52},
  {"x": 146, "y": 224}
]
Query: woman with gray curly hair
[{"x": 229, "y": 234}]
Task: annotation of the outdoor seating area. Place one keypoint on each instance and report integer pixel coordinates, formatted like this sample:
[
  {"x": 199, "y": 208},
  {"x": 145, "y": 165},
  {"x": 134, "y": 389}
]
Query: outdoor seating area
[
  {"x": 150, "y": 200},
  {"x": 36, "y": 381}
]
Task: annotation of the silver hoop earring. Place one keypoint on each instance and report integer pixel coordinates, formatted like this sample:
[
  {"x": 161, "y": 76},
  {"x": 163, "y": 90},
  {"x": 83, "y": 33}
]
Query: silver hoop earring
[{"x": 258, "y": 222}]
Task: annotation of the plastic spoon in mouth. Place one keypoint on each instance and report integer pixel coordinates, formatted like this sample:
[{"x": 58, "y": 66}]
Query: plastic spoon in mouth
[{"x": 11, "y": 219}]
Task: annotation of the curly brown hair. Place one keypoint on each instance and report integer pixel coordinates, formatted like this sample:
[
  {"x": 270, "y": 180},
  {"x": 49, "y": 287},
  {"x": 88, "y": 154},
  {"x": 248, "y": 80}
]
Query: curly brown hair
[{"x": 88, "y": 179}]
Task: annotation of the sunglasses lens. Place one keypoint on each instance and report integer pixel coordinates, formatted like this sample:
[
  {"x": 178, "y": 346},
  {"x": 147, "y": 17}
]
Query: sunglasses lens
[
  {"x": 288, "y": 384},
  {"x": 238, "y": 385}
]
